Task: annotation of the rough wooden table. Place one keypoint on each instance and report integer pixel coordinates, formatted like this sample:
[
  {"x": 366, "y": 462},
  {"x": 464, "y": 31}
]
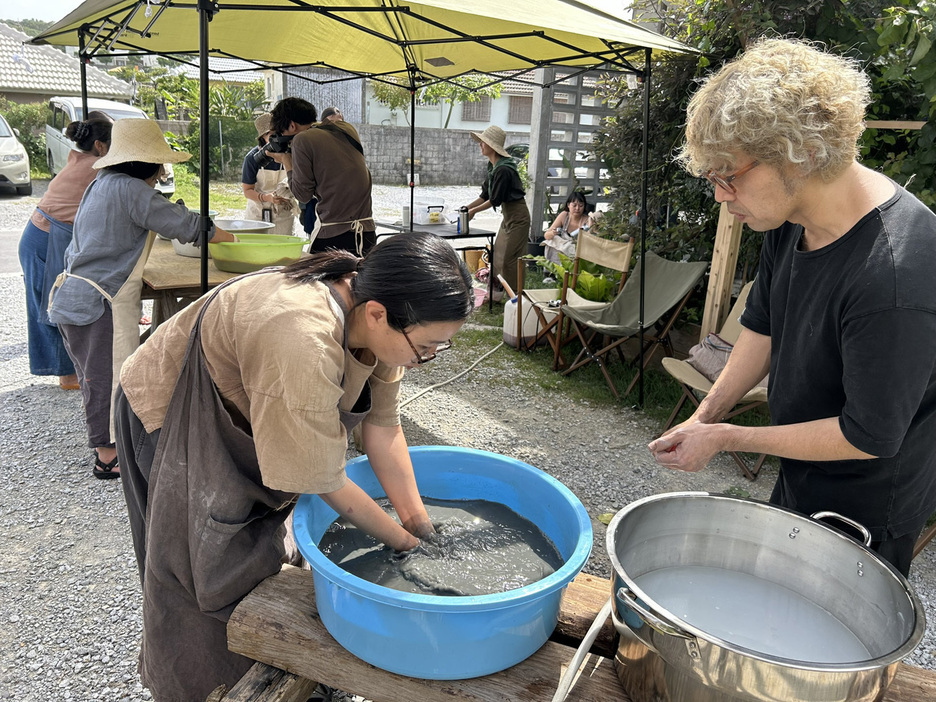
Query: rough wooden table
[
  {"x": 172, "y": 281},
  {"x": 278, "y": 625}
]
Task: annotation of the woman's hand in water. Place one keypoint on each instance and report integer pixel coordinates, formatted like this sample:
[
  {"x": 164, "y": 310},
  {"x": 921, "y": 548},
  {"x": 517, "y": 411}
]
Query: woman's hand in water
[{"x": 420, "y": 526}]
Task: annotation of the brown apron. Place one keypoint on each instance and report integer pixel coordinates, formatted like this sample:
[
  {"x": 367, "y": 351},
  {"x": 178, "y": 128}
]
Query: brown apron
[
  {"x": 213, "y": 532},
  {"x": 511, "y": 240}
]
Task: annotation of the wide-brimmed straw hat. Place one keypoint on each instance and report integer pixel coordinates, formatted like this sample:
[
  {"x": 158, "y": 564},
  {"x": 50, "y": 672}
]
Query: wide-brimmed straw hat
[
  {"x": 264, "y": 124},
  {"x": 139, "y": 140},
  {"x": 494, "y": 137}
]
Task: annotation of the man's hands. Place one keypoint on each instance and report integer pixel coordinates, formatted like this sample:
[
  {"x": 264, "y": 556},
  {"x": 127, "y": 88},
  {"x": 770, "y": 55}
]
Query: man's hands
[
  {"x": 284, "y": 159},
  {"x": 690, "y": 446}
]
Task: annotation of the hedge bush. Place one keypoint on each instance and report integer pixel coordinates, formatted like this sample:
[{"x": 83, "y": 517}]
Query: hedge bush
[{"x": 30, "y": 119}]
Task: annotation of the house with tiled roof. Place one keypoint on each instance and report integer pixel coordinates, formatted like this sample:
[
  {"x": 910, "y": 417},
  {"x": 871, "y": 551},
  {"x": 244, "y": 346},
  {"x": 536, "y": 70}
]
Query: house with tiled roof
[
  {"x": 223, "y": 70},
  {"x": 30, "y": 73}
]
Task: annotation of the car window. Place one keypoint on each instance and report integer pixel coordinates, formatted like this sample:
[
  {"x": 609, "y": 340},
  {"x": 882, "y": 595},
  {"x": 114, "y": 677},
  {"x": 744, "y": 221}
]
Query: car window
[{"x": 5, "y": 128}]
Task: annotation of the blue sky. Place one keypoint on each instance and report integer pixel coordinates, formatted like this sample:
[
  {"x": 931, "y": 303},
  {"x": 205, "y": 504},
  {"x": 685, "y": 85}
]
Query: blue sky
[{"x": 46, "y": 10}]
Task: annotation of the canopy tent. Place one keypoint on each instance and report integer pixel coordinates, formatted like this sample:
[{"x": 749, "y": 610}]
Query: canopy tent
[{"x": 416, "y": 43}]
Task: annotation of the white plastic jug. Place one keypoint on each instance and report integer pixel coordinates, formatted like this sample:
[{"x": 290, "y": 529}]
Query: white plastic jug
[{"x": 531, "y": 324}]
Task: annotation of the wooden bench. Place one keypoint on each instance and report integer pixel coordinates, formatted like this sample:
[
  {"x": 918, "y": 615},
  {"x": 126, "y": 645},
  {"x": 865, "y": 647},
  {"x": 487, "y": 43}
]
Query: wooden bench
[{"x": 278, "y": 625}]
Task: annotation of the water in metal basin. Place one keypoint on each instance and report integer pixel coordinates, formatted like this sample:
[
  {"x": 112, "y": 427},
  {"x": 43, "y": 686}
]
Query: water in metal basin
[{"x": 754, "y": 613}]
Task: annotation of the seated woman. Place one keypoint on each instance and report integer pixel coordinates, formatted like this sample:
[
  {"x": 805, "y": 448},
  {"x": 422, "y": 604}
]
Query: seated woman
[
  {"x": 96, "y": 300},
  {"x": 247, "y": 398},
  {"x": 575, "y": 216}
]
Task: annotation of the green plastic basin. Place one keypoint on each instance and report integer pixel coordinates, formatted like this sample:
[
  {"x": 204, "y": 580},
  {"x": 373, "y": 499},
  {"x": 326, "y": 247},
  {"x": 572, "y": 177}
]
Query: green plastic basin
[{"x": 256, "y": 251}]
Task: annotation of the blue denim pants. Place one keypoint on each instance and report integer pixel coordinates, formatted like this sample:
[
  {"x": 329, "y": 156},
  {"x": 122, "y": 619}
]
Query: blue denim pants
[{"x": 47, "y": 354}]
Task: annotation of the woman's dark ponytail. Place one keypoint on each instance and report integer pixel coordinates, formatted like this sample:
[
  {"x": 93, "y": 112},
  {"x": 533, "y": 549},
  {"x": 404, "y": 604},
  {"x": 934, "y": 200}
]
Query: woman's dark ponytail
[
  {"x": 84, "y": 134},
  {"x": 418, "y": 277}
]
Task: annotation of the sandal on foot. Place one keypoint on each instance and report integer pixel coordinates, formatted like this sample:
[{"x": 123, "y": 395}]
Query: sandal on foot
[{"x": 105, "y": 471}]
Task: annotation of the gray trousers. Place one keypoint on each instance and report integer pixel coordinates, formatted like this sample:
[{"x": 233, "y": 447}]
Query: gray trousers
[{"x": 91, "y": 348}]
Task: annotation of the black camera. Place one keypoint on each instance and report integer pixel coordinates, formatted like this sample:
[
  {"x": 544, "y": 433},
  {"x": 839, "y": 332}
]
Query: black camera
[{"x": 276, "y": 144}]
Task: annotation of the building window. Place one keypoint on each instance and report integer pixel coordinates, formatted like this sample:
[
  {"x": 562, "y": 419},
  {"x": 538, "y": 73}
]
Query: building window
[
  {"x": 479, "y": 111},
  {"x": 521, "y": 109}
]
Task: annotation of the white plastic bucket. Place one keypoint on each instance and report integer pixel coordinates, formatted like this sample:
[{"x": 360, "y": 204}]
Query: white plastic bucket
[{"x": 531, "y": 324}]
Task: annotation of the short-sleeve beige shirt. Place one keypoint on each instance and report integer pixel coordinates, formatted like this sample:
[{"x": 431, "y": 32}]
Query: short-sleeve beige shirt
[{"x": 274, "y": 351}]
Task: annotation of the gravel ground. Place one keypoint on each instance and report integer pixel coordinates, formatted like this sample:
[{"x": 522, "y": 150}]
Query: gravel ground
[{"x": 69, "y": 592}]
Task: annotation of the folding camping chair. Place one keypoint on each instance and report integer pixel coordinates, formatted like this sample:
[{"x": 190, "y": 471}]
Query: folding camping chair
[
  {"x": 545, "y": 302},
  {"x": 604, "y": 328},
  {"x": 692, "y": 382}
]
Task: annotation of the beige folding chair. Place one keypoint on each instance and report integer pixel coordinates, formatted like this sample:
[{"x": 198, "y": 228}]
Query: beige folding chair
[
  {"x": 604, "y": 328},
  {"x": 545, "y": 302},
  {"x": 692, "y": 382}
]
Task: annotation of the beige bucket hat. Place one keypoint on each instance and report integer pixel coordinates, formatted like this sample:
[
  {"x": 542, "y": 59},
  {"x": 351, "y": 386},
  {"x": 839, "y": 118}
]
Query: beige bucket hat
[
  {"x": 139, "y": 140},
  {"x": 494, "y": 137},
  {"x": 264, "y": 124}
]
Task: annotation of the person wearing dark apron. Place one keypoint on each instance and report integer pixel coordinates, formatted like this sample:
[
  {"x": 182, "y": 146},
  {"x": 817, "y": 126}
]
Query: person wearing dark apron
[
  {"x": 503, "y": 188},
  {"x": 246, "y": 399}
]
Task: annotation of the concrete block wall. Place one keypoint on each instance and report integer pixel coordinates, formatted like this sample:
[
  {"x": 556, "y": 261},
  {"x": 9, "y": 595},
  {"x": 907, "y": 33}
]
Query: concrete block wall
[{"x": 443, "y": 156}]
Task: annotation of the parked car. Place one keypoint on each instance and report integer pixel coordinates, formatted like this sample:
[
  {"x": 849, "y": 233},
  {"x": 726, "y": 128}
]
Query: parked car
[
  {"x": 65, "y": 110},
  {"x": 14, "y": 161}
]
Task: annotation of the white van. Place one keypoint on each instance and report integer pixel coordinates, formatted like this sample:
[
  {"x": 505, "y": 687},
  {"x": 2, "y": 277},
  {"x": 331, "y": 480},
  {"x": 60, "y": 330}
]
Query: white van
[{"x": 65, "y": 110}]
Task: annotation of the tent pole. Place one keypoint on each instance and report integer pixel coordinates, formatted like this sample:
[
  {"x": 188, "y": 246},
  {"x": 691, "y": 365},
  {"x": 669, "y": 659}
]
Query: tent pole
[
  {"x": 645, "y": 164},
  {"x": 83, "y": 70},
  {"x": 206, "y": 10},
  {"x": 412, "y": 148}
]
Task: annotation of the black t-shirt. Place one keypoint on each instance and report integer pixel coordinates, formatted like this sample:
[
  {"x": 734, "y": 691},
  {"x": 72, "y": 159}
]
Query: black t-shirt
[
  {"x": 852, "y": 331},
  {"x": 503, "y": 183},
  {"x": 250, "y": 169}
]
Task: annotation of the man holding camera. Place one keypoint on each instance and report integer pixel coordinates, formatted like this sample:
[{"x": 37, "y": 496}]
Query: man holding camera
[
  {"x": 265, "y": 185},
  {"x": 326, "y": 164}
]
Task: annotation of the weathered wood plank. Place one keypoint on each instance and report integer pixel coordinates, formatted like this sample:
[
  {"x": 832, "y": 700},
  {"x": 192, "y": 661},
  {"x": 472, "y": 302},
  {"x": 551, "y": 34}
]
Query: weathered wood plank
[
  {"x": 581, "y": 601},
  {"x": 721, "y": 275},
  {"x": 894, "y": 124},
  {"x": 264, "y": 683},
  {"x": 278, "y": 624}
]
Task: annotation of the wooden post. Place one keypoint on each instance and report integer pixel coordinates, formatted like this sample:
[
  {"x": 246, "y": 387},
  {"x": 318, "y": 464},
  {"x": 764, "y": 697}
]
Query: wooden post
[{"x": 721, "y": 277}]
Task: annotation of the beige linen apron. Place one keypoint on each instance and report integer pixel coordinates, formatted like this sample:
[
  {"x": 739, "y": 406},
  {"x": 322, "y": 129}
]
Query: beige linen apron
[
  {"x": 125, "y": 307},
  {"x": 283, "y": 217}
]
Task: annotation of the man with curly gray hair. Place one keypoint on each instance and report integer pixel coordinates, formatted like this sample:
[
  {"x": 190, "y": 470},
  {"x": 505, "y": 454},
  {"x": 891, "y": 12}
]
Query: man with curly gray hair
[{"x": 843, "y": 309}]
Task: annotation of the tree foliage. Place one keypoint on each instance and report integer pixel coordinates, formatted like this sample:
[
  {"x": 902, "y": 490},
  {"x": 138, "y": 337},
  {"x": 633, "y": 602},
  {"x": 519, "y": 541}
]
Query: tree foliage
[
  {"x": 682, "y": 213},
  {"x": 395, "y": 95}
]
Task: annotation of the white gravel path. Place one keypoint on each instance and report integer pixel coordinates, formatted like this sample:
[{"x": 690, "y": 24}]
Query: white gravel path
[{"x": 69, "y": 592}]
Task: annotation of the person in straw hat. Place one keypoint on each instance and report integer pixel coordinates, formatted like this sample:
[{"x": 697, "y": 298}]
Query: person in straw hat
[
  {"x": 265, "y": 186},
  {"x": 503, "y": 188},
  {"x": 96, "y": 300}
]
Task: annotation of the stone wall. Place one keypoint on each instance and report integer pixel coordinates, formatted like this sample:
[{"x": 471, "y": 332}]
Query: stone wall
[{"x": 443, "y": 156}]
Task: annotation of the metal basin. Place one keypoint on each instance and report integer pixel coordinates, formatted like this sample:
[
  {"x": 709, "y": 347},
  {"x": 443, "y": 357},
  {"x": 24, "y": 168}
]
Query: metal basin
[{"x": 762, "y": 558}]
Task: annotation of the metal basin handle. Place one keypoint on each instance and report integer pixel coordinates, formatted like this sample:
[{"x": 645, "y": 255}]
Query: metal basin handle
[
  {"x": 629, "y": 600},
  {"x": 865, "y": 534}
]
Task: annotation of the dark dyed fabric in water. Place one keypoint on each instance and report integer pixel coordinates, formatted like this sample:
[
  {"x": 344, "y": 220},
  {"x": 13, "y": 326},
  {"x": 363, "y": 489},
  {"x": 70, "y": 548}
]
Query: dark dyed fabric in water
[{"x": 479, "y": 548}]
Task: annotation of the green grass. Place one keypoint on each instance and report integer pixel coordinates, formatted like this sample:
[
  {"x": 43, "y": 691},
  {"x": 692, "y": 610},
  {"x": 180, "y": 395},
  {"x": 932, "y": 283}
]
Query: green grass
[
  {"x": 533, "y": 369},
  {"x": 226, "y": 198}
]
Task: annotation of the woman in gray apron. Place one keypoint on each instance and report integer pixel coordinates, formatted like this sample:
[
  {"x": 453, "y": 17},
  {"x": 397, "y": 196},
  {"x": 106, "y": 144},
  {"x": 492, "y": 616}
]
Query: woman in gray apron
[
  {"x": 244, "y": 400},
  {"x": 503, "y": 188},
  {"x": 96, "y": 300}
]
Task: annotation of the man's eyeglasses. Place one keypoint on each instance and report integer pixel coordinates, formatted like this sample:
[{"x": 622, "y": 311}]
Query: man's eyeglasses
[
  {"x": 726, "y": 181},
  {"x": 419, "y": 358}
]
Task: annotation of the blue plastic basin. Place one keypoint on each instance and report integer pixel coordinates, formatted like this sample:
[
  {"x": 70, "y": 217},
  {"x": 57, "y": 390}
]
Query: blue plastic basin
[{"x": 449, "y": 638}]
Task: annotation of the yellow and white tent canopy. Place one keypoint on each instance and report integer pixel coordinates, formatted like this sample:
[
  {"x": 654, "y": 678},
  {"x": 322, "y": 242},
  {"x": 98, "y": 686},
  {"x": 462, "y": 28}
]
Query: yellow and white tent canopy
[{"x": 431, "y": 39}]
